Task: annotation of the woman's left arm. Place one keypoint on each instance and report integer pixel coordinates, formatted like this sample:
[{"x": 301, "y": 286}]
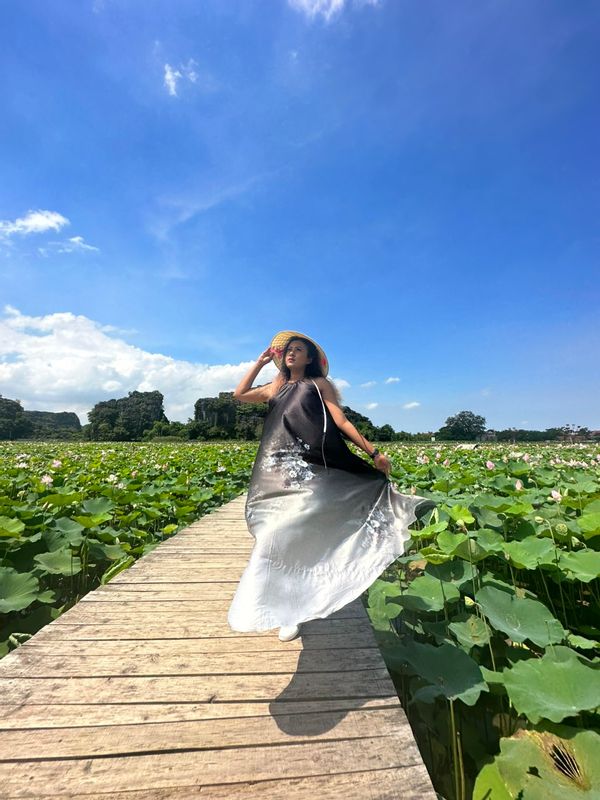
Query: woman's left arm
[{"x": 344, "y": 424}]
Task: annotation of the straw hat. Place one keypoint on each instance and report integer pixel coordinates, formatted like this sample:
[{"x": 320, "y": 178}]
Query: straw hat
[{"x": 280, "y": 340}]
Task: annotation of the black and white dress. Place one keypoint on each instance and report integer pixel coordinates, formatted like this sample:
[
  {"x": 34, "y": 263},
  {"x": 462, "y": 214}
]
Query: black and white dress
[{"x": 326, "y": 523}]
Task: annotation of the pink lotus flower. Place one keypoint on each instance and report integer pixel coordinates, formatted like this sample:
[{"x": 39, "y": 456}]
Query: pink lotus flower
[
  {"x": 556, "y": 495},
  {"x": 518, "y": 485},
  {"x": 490, "y": 464},
  {"x": 56, "y": 463},
  {"x": 446, "y": 461},
  {"x": 526, "y": 457},
  {"x": 47, "y": 479}
]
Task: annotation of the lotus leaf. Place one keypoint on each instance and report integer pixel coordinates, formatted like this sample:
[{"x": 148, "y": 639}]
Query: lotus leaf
[
  {"x": 97, "y": 505},
  {"x": 520, "y": 618},
  {"x": 589, "y": 524},
  {"x": 59, "y": 562},
  {"x": 17, "y": 589},
  {"x": 583, "y": 565},
  {"x": 530, "y": 552},
  {"x": 11, "y": 526},
  {"x": 556, "y": 686},
  {"x": 427, "y": 593},
  {"x": 558, "y": 763},
  {"x": 470, "y": 630},
  {"x": 450, "y": 671}
]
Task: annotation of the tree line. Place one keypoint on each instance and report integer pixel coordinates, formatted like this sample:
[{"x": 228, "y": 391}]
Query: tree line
[{"x": 140, "y": 416}]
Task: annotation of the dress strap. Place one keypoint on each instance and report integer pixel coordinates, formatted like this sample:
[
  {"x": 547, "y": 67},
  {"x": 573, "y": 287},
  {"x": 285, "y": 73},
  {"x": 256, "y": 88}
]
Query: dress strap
[{"x": 324, "y": 424}]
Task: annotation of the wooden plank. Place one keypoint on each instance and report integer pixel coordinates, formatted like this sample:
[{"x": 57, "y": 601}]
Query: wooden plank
[
  {"x": 198, "y": 688},
  {"x": 55, "y": 715},
  {"x": 118, "y": 739},
  {"x": 370, "y": 785},
  {"x": 39, "y": 663},
  {"x": 180, "y": 627},
  {"x": 308, "y": 644},
  {"x": 208, "y": 767}
]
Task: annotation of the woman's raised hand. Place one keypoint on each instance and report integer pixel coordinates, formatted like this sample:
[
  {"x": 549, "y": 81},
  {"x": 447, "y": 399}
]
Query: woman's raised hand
[{"x": 265, "y": 357}]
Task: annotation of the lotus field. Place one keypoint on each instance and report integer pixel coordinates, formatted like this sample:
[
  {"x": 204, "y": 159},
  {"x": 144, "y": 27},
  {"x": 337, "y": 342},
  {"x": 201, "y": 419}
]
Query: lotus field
[
  {"x": 489, "y": 624},
  {"x": 74, "y": 515}
]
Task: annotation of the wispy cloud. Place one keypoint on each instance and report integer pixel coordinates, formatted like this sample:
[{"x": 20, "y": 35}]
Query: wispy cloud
[
  {"x": 186, "y": 72},
  {"x": 341, "y": 383},
  {"x": 392, "y": 380},
  {"x": 326, "y": 8},
  {"x": 38, "y": 221},
  {"x": 413, "y": 404},
  {"x": 368, "y": 384},
  {"x": 371, "y": 406},
  {"x": 75, "y": 244}
]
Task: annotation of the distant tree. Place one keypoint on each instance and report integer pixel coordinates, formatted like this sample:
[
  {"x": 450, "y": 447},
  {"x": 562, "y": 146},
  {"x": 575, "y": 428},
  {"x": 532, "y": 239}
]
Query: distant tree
[
  {"x": 127, "y": 418},
  {"x": 464, "y": 425},
  {"x": 361, "y": 423},
  {"x": 13, "y": 423},
  {"x": 385, "y": 433}
]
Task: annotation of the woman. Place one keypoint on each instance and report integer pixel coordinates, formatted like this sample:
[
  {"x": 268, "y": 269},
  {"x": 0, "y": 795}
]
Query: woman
[{"x": 326, "y": 523}]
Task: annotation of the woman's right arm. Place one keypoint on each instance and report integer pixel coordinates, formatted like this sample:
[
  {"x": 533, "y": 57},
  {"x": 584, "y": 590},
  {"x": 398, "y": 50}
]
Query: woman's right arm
[{"x": 260, "y": 394}]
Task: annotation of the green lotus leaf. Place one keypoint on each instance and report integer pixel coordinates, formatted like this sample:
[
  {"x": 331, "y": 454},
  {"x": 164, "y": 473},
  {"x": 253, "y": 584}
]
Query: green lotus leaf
[
  {"x": 68, "y": 526},
  {"x": 460, "y": 514},
  {"x": 17, "y": 589},
  {"x": 589, "y": 524},
  {"x": 62, "y": 498},
  {"x": 450, "y": 671},
  {"x": 434, "y": 556},
  {"x": 489, "y": 540},
  {"x": 470, "y": 630},
  {"x": 427, "y": 593},
  {"x": 98, "y": 505},
  {"x": 59, "y": 562},
  {"x": 115, "y": 568},
  {"x": 490, "y": 785},
  {"x": 520, "y": 618},
  {"x": 551, "y": 763},
  {"x": 553, "y": 687},
  {"x": 530, "y": 552},
  {"x": 470, "y": 551},
  {"x": 457, "y": 572},
  {"x": 10, "y": 526},
  {"x": 448, "y": 541},
  {"x": 583, "y": 565}
]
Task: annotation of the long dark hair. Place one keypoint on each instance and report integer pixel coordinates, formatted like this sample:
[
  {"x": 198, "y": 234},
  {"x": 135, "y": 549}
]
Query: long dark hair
[{"x": 312, "y": 370}]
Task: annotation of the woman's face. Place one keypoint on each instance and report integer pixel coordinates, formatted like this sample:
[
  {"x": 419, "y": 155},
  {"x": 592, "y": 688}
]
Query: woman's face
[{"x": 296, "y": 355}]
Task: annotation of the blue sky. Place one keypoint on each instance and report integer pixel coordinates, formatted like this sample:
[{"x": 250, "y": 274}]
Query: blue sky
[{"x": 414, "y": 185}]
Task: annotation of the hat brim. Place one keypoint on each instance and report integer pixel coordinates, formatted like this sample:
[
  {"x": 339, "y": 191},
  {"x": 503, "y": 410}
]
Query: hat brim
[{"x": 280, "y": 340}]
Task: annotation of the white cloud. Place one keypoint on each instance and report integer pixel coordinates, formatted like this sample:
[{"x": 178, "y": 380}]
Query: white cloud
[
  {"x": 68, "y": 362},
  {"x": 171, "y": 78},
  {"x": 189, "y": 71},
  {"x": 326, "y": 8},
  {"x": 371, "y": 406},
  {"x": 38, "y": 221},
  {"x": 392, "y": 380},
  {"x": 486, "y": 392},
  {"x": 341, "y": 383},
  {"x": 75, "y": 244},
  {"x": 368, "y": 384},
  {"x": 413, "y": 404}
]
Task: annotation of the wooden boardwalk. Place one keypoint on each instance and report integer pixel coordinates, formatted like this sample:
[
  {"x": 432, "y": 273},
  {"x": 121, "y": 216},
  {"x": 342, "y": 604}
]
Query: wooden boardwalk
[{"x": 143, "y": 691}]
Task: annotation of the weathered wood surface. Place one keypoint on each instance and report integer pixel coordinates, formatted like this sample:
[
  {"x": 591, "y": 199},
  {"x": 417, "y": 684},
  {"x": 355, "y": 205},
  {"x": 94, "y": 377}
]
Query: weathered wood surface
[{"x": 142, "y": 692}]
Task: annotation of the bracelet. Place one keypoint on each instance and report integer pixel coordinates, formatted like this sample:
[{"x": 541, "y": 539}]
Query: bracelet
[{"x": 374, "y": 454}]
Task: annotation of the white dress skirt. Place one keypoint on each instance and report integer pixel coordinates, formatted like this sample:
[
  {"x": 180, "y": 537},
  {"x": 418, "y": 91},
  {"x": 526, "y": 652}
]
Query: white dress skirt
[{"x": 325, "y": 522}]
